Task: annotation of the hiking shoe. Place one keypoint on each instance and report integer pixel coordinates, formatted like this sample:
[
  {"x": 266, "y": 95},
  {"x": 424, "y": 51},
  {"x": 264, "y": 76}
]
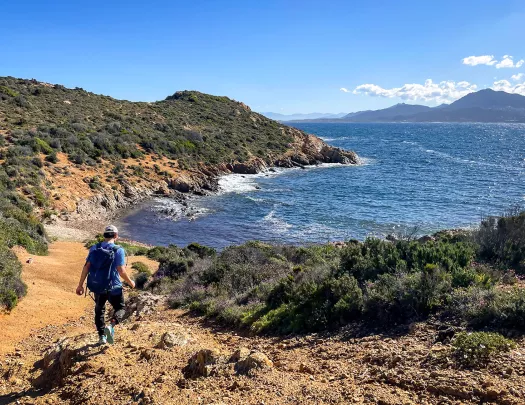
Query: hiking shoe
[
  {"x": 109, "y": 331},
  {"x": 102, "y": 340}
]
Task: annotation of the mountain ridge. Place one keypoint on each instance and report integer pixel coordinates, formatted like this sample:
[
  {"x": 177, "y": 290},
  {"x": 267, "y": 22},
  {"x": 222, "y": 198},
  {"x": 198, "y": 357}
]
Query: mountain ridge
[{"x": 485, "y": 105}]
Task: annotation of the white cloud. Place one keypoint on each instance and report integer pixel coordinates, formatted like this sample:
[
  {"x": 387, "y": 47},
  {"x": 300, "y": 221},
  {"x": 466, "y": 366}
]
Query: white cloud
[
  {"x": 517, "y": 77},
  {"x": 489, "y": 60},
  {"x": 479, "y": 60},
  {"x": 505, "y": 85},
  {"x": 508, "y": 62},
  {"x": 443, "y": 92},
  {"x": 344, "y": 90}
]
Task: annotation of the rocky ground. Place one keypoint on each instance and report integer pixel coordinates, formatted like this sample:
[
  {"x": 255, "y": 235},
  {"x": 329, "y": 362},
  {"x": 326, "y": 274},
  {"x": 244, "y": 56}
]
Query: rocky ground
[{"x": 164, "y": 356}]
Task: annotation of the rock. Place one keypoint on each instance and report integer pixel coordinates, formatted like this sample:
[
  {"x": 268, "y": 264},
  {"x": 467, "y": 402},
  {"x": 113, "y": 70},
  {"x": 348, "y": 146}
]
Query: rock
[
  {"x": 147, "y": 354},
  {"x": 141, "y": 304},
  {"x": 445, "y": 335},
  {"x": 254, "y": 361},
  {"x": 170, "y": 339},
  {"x": 204, "y": 363},
  {"x": 253, "y": 167},
  {"x": 336, "y": 155},
  {"x": 426, "y": 238},
  {"x": 239, "y": 355},
  {"x": 59, "y": 359},
  {"x": 304, "y": 368}
]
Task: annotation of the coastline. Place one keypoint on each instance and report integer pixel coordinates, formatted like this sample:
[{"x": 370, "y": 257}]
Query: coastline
[{"x": 91, "y": 214}]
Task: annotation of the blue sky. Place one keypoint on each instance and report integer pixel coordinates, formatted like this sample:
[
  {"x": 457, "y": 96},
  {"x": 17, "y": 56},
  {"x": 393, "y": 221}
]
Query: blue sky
[{"x": 280, "y": 56}]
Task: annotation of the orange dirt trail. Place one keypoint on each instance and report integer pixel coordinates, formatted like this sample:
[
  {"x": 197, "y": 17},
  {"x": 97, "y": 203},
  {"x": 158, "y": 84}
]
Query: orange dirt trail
[{"x": 51, "y": 300}]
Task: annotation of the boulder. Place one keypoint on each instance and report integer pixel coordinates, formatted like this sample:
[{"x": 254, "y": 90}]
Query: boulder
[
  {"x": 336, "y": 155},
  {"x": 255, "y": 361},
  {"x": 204, "y": 363},
  {"x": 240, "y": 354},
  {"x": 171, "y": 339}
]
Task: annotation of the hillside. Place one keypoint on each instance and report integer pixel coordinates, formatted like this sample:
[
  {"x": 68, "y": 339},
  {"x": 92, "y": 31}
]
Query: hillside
[{"x": 70, "y": 154}]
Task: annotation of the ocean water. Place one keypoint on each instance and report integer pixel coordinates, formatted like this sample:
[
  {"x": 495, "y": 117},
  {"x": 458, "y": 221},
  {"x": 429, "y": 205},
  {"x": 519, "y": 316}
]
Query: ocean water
[{"x": 429, "y": 176}]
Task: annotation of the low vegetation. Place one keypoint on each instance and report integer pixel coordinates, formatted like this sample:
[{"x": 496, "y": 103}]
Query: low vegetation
[
  {"x": 285, "y": 289},
  {"x": 476, "y": 348}
]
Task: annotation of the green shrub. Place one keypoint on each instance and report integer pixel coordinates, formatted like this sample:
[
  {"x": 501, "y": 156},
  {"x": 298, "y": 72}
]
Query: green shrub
[
  {"x": 475, "y": 349},
  {"x": 404, "y": 296},
  {"x": 43, "y": 146},
  {"x": 492, "y": 308},
  {"x": 12, "y": 287},
  {"x": 501, "y": 240},
  {"x": 140, "y": 267},
  {"x": 200, "y": 250},
  {"x": 141, "y": 280},
  {"x": 52, "y": 158}
]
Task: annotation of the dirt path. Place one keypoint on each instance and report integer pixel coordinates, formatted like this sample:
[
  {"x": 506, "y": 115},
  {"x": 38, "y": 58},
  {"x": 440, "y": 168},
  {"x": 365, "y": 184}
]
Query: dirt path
[{"x": 51, "y": 298}]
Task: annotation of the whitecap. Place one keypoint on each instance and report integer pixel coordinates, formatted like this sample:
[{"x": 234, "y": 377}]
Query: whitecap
[
  {"x": 278, "y": 225},
  {"x": 237, "y": 183}
]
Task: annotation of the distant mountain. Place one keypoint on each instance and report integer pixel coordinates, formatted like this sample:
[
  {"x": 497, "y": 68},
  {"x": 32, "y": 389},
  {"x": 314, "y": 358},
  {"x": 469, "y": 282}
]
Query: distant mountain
[
  {"x": 489, "y": 98},
  {"x": 482, "y": 106},
  {"x": 386, "y": 114},
  {"x": 301, "y": 117}
]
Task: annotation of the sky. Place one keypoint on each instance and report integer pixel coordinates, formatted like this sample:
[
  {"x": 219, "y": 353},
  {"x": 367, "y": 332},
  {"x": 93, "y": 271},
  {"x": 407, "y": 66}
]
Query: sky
[{"x": 280, "y": 56}]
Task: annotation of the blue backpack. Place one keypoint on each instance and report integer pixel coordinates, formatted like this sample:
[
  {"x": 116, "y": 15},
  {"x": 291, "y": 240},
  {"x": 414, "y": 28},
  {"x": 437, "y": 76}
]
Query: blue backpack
[{"x": 99, "y": 276}]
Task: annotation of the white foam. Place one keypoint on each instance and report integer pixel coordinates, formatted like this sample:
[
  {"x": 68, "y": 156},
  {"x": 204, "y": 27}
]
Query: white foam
[
  {"x": 254, "y": 199},
  {"x": 278, "y": 225},
  {"x": 364, "y": 161},
  {"x": 245, "y": 183}
]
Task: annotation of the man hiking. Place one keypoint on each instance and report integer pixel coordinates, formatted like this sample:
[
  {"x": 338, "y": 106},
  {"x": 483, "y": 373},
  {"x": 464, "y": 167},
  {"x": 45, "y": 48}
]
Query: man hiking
[{"x": 105, "y": 264}]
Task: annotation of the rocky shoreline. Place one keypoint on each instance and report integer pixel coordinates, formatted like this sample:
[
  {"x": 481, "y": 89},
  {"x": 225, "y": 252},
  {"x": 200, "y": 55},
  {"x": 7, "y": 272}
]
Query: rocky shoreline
[{"x": 91, "y": 213}]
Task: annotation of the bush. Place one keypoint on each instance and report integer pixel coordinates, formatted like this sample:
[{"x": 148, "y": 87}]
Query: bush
[
  {"x": 475, "y": 349},
  {"x": 404, "y": 296},
  {"x": 11, "y": 286},
  {"x": 200, "y": 250},
  {"x": 368, "y": 260},
  {"x": 140, "y": 267},
  {"x": 501, "y": 240},
  {"x": 141, "y": 280},
  {"x": 490, "y": 308},
  {"x": 52, "y": 158}
]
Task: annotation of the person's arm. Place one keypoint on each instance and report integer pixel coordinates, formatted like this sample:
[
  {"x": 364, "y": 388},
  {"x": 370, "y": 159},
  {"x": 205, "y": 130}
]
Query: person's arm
[
  {"x": 121, "y": 267},
  {"x": 85, "y": 271},
  {"x": 124, "y": 274}
]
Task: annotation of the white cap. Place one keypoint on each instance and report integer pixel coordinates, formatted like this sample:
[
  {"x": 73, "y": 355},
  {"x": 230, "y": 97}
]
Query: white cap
[{"x": 111, "y": 229}]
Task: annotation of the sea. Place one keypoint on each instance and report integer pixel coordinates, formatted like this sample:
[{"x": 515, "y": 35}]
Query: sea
[{"x": 412, "y": 179}]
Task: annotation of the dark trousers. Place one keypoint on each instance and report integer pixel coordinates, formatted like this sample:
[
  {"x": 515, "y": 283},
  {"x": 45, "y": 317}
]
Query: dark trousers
[{"x": 116, "y": 301}]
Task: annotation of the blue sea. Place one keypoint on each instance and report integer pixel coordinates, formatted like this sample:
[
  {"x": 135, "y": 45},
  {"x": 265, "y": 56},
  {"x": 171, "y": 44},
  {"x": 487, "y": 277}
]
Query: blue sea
[{"x": 428, "y": 176}]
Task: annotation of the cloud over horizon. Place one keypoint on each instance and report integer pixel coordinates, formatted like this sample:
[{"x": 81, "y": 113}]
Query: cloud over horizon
[
  {"x": 489, "y": 60},
  {"x": 479, "y": 60},
  {"x": 344, "y": 90},
  {"x": 505, "y": 85},
  {"x": 442, "y": 92}
]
